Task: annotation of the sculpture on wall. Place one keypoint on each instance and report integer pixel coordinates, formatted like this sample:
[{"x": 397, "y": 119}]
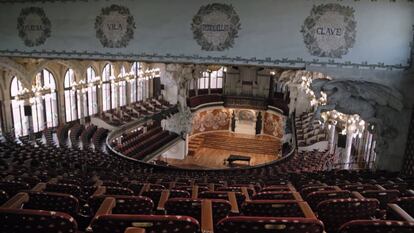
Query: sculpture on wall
[
  {"x": 373, "y": 102},
  {"x": 259, "y": 123}
]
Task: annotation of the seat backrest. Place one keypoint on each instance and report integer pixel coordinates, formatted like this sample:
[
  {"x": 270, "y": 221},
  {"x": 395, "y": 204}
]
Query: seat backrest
[
  {"x": 381, "y": 226},
  {"x": 272, "y": 208},
  {"x": 137, "y": 187},
  {"x": 305, "y": 192},
  {"x": 192, "y": 207},
  {"x": 65, "y": 203},
  {"x": 360, "y": 187},
  {"x": 124, "y": 204},
  {"x": 35, "y": 221},
  {"x": 383, "y": 196},
  {"x": 13, "y": 187},
  {"x": 222, "y": 195},
  {"x": 314, "y": 198},
  {"x": 274, "y": 195},
  {"x": 336, "y": 212},
  {"x": 113, "y": 190},
  {"x": 268, "y": 225},
  {"x": 155, "y": 194},
  {"x": 117, "y": 223},
  {"x": 236, "y": 189},
  {"x": 64, "y": 188}
]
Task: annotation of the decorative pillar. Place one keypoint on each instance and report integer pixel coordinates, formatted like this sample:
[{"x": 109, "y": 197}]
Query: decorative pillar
[
  {"x": 331, "y": 136},
  {"x": 350, "y": 132}
]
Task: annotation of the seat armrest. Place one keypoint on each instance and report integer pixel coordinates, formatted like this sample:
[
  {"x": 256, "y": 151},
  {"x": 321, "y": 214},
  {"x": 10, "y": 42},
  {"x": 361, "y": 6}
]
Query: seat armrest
[
  {"x": 358, "y": 195},
  {"x": 39, "y": 187},
  {"x": 106, "y": 207},
  {"x": 194, "y": 192},
  {"x": 134, "y": 230},
  {"x": 99, "y": 191},
  {"x": 207, "y": 225},
  {"x": 245, "y": 193},
  {"x": 297, "y": 196},
  {"x": 307, "y": 211},
  {"x": 233, "y": 202},
  {"x": 397, "y": 210},
  {"x": 16, "y": 201},
  {"x": 165, "y": 194}
]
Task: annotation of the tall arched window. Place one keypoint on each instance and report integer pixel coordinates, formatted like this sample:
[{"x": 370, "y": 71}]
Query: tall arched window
[
  {"x": 107, "y": 73},
  {"x": 136, "y": 70},
  {"x": 19, "y": 119},
  {"x": 92, "y": 100},
  {"x": 44, "y": 103},
  {"x": 210, "y": 82},
  {"x": 71, "y": 103},
  {"x": 122, "y": 87}
]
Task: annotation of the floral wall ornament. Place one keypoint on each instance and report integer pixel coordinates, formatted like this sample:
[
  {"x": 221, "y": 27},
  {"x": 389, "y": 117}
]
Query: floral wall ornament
[
  {"x": 210, "y": 120},
  {"x": 114, "y": 26},
  {"x": 33, "y": 26},
  {"x": 330, "y": 30},
  {"x": 273, "y": 125},
  {"x": 215, "y": 26}
]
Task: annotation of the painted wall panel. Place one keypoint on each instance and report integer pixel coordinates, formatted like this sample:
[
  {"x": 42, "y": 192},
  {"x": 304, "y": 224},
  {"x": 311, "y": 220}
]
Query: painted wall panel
[{"x": 269, "y": 34}]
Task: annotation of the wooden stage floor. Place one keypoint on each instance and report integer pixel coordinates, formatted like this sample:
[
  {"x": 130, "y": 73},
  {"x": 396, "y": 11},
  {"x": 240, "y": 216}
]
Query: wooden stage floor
[{"x": 210, "y": 150}]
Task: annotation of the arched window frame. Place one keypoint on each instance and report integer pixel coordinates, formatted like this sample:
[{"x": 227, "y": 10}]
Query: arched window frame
[
  {"x": 71, "y": 99},
  {"x": 107, "y": 73},
  {"x": 20, "y": 122},
  {"x": 92, "y": 101}
]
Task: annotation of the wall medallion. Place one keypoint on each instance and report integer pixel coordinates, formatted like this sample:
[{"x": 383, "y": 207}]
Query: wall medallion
[
  {"x": 215, "y": 26},
  {"x": 330, "y": 30},
  {"x": 33, "y": 26},
  {"x": 115, "y": 26}
]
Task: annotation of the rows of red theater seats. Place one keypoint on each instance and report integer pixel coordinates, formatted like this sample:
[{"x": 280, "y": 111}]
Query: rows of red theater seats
[
  {"x": 87, "y": 135},
  {"x": 145, "y": 143},
  {"x": 82, "y": 190}
]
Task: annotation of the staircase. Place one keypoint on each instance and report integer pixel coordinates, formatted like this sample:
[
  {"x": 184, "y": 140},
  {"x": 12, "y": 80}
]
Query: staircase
[
  {"x": 194, "y": 144},
  {"x": 238, "y": 144}
]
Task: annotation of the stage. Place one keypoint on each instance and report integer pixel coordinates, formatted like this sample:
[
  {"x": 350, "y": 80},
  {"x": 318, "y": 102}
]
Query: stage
[{"x": 211, "y": 150}]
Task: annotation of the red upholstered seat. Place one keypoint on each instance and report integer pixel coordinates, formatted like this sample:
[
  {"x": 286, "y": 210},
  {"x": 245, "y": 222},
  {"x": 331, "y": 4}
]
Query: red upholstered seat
[
  {"x": 268, "y": 224},
  {"x": 155, "y": 195},
  {"x": 360, "y": 187},
  {"x": 377, "y": 226},
  {"x": 3, "y": 197},
  {"x": 117, "y": 223},
  {"x": 113, "y": 190},
  {"x": 60, "y": 202},
  {"x": 13, "y": 187},
  {"x": 137, "y": 187},
  {"x": 192, "y": 207},
  {"x": 274, "y": 195},
  {"x": 383, "y": 196},
  {"x": 272, "y": 208},
  {"x": 64, "y": 188},
  {"x": 35, "y": 221},
  {"x": 306, "y": 191},
  {"x": 317, "y": 197},
  {"x": 222, "y": 195},
  {"x": 236, "y": 189},
  {"x": 336, "y": 212},
  {"x": 124, "y": 204}
]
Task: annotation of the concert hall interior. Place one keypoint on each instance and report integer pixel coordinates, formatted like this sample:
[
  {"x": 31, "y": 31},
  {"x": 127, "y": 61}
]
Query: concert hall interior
[{"x": 198, "y": 116}]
